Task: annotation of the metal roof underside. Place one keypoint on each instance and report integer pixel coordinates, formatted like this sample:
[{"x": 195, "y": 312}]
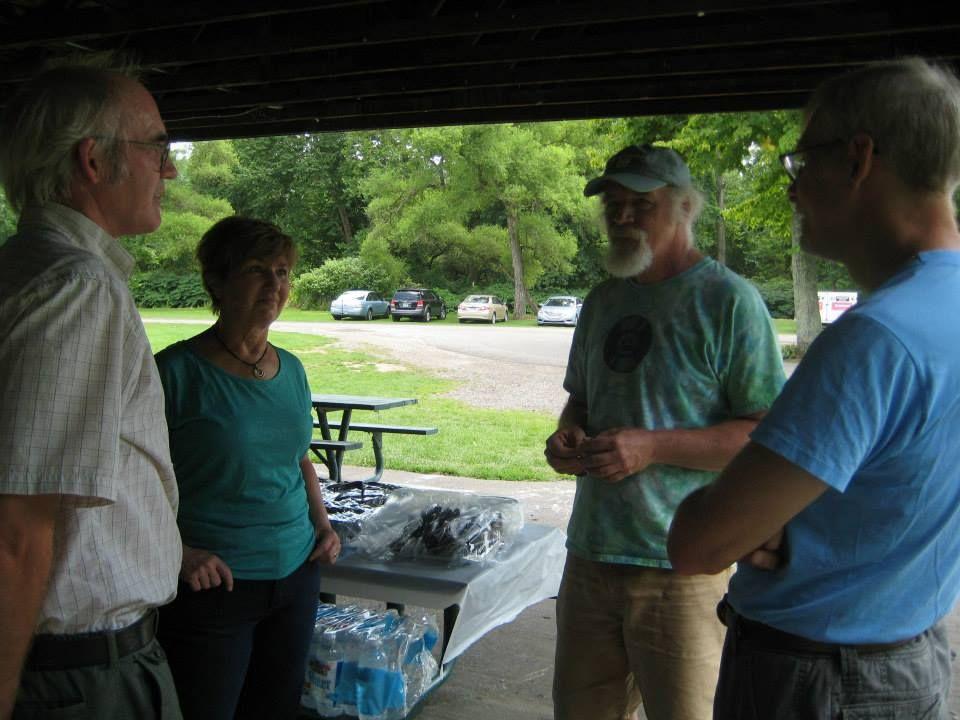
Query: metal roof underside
[{"x": 240, "y": 68}]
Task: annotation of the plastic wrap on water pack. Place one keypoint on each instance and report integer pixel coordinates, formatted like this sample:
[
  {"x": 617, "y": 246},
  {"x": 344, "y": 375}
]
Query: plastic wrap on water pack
[
  {"x": 368, "y": 665},
  {"x": 452, "y": 527}
]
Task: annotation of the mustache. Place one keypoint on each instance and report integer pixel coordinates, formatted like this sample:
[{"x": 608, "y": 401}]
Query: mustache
[{"x": 632, "y": 234}]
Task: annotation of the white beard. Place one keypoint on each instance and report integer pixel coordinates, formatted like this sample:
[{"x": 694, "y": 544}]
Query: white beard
[{"x": 624, "y": 259}]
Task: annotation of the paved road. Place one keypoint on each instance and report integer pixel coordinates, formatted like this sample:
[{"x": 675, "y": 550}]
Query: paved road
[
  {"x": 543, "y": 347},
  {"x": 522, "y": 345}
]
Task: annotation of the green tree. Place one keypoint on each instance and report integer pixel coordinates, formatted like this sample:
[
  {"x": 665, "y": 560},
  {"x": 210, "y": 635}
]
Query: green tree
[
  {"x": 8, "y": 221},
  {"x": 308, "y": 185},
  {"x": 211, "y": 168},
  {"x": 187, "y": 214},
  {"x": 478, "y": 203}
]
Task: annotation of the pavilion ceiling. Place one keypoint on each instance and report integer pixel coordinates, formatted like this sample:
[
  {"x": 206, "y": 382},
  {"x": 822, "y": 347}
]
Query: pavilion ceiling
[{"x": 242, "y": 68}]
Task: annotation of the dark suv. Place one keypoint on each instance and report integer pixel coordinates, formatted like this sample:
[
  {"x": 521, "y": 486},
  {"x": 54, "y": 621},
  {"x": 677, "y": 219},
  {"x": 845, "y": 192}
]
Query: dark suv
[{"x": 418, "y": 303}]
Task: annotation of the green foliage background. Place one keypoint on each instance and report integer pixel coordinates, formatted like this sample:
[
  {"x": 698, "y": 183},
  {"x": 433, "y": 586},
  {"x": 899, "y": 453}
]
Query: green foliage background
[{"x": 492, "y": 208}]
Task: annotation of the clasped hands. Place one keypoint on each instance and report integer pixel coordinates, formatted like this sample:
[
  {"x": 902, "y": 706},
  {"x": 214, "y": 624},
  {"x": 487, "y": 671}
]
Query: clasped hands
[
  {"x": 610, "y": 455},
  {"x": 203, "y": 570},
  {"x": 617, "y": 453}
]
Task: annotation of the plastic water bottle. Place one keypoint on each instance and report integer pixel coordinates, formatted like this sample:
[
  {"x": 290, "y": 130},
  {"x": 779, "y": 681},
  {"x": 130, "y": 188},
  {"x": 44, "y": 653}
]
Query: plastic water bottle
[
  {"x": 345, "y": 694},
  {"x": 323, "y": 671}
]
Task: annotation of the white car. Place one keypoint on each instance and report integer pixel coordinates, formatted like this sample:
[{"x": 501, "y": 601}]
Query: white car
[
  {"x": 560, "y": 310},
  {"x": 363, "y": 304},
  {"x": 484, "y": 308}
]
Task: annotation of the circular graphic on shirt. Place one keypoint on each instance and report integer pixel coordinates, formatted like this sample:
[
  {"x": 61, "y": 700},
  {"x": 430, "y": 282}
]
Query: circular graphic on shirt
[{"x": 628, "y": 342}]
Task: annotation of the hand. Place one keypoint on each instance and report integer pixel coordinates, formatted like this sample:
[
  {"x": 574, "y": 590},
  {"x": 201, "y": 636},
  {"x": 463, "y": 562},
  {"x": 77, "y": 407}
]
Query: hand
[
  {"x": 616, "y": 453},
  {"x": 327, "y": 548},
  {"x": 203, "y": 570},
  {"x": 563, "y": 450},
  {"x": 769, "y": 556}
]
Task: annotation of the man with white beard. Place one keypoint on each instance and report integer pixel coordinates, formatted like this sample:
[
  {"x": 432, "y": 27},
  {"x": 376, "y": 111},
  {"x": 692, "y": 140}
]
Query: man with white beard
[{"x": 672, "y": 364}]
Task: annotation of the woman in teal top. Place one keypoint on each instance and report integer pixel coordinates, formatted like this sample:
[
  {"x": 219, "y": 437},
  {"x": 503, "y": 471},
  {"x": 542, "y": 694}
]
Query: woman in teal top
[{"x": 251, "y": 516}]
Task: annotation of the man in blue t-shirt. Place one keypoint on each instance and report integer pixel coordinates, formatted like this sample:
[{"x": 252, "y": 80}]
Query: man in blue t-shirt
[
  {"x": 672, "y": 363},
  {"x": 849, "y": 493}
]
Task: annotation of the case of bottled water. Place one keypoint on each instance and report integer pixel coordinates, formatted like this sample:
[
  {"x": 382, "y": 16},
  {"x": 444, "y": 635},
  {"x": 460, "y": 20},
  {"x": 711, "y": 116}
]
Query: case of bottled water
[{"x": 368, "y": 665}]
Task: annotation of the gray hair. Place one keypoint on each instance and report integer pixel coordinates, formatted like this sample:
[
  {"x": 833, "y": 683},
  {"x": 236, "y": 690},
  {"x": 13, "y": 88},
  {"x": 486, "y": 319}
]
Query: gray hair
[
  {"x": 44, "y": 122},
  {"x": 695, "y": 202},
  {"x": 909, "y": 107}
]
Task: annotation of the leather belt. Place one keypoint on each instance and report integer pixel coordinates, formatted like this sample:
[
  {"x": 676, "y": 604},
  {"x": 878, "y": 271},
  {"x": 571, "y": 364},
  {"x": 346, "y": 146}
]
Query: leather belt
[
  {"x": 769, "y": 638},
  {"x": 61, "y": 652}
]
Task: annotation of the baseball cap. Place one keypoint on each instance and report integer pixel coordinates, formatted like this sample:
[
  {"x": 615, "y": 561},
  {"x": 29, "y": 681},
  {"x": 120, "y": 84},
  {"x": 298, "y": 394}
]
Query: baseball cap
[{"x": 642, "y": 168}]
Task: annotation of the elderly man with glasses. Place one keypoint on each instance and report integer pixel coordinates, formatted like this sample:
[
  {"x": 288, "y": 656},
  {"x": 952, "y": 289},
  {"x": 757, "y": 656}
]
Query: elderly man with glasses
[
  {"x": 847, "y": 500},
  {"x": 89, "y": 545}
]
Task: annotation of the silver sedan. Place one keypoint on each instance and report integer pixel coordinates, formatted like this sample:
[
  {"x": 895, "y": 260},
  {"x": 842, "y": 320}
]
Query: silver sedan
[{"x": 363, "y": 304}]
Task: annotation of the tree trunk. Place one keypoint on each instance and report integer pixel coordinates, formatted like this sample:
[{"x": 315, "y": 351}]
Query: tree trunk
[
  {"x": 803, "y": 267},
  {"x": 721, "y": 227},
  {"x": 345, "y": 227},
  {"x": 521, "y": 298}
]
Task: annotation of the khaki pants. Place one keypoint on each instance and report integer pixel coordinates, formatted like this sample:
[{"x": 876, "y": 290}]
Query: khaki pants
[{"x": 628, "y": 633}]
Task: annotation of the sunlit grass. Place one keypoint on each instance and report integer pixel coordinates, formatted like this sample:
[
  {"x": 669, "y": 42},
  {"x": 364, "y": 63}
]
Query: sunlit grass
[
  {"x": 472, "y": 442},
  {"x": 785, "y": 325}
]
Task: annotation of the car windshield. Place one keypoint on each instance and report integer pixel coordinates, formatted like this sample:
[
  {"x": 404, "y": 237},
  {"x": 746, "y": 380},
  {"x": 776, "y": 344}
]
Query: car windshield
[
  {"x": 407, "y": 296},
  {"x": 478, "y": 299},
  {"x": 354, "y": 295},
  {"x": 560, "y": 302}
]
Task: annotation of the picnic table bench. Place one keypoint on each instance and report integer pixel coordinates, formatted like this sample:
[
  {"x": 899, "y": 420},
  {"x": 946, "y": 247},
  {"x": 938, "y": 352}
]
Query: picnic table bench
[
  {"x": 333, "y": 450},
  {"x": 322, "y": 448}
]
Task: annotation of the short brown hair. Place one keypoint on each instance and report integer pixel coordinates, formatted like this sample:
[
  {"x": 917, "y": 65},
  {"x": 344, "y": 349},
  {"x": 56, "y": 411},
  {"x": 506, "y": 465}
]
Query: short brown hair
[{"x": 234, "y": 240}]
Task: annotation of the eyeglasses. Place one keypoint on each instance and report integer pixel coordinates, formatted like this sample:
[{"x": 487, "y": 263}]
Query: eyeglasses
[
  {"x": 161, "y": 146},
  {"x": 794, "y": 162}
]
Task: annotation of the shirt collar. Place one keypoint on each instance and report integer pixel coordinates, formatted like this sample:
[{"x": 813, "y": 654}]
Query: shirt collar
[{"x": 80, "y": 230}]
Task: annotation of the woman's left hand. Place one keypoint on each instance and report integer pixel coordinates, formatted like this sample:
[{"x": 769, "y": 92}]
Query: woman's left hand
[{"x": 327, "y": 549}]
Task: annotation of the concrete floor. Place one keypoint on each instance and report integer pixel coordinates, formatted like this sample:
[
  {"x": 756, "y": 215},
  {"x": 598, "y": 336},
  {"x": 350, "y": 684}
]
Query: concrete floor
[{"x": 507, "y": 674}]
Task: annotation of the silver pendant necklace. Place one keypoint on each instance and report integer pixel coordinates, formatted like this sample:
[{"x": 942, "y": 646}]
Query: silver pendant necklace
[{"x": 254, "y": 366}]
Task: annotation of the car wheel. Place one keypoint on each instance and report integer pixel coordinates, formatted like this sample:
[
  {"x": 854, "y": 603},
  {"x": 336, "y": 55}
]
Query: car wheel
[
  {"x": 338, "y": 317},
  {"x": 493, "y": 318},
  {"x": 396, "y": 318},
  {"x": 506, "y": 316},
  {"x": 426, "y": 315},
  {"x": 369, "y": 313}
]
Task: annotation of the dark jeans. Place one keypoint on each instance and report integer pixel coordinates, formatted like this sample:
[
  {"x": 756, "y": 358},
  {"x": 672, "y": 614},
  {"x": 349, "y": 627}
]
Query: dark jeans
[
  {"x": 242, "y": 653},
  {"x": 760, "y": 682},
  {"x": 137, "y": 685}
]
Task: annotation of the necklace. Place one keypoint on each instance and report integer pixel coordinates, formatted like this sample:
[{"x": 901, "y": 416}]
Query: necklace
[{"x": 254, "y": 366}]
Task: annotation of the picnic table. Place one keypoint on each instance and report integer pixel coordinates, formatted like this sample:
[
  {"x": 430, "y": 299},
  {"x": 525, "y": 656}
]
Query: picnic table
[
  {"x": 331, "y": 450},
  {"x": 474, "y": 597}
]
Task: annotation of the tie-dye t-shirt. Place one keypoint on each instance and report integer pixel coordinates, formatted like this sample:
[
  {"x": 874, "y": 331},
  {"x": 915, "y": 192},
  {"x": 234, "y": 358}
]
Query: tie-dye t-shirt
[{"x": 692, "y": 351}]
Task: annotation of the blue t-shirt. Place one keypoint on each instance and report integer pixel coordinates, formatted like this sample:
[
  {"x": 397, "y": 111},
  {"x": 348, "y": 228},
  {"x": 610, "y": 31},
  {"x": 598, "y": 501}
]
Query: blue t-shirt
[
  {"x": 236, "y": 445},
  {"x": 873, "y": 411},
  {"x": 694, "y": 350}
]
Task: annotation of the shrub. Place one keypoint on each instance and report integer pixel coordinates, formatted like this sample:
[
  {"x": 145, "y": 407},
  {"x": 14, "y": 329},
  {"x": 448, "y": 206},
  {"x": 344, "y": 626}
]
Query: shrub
[
  {"x": 778, "y": 296},
  {"x": 791, "y": 352},
  {"x": 160, "y": 288},
  {"x": 314, "y": 289}
]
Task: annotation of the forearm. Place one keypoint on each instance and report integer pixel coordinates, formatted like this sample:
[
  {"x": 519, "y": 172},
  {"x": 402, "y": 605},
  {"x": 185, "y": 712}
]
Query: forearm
[
  {"x": 709, "y": 448},
  {"x": 749, "y": 503},
  {"x": 318, "y": 511},
  {"x": 574, "y": 414},
  {"x": 26, "y": 558}
]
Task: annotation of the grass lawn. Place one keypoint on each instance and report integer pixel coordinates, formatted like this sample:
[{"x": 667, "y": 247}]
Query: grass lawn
[
  {"x": 472, "y": 442},
  {"x": 785, "y": 325}
]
